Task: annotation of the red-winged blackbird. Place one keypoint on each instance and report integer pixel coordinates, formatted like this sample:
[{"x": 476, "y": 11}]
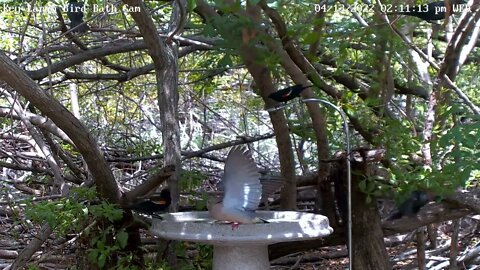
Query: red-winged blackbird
[
  {"x": 428, "y": 12},
  {"x": 411, "y": 205},
  {"x": 153, "y": 204},
  {"x": 289, "y": 93},
  {"x": 75, "y": 14}
]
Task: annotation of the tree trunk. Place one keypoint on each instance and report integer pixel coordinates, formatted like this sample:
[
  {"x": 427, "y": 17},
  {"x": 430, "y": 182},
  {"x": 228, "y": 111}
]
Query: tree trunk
[
  {"x": 367, "y": 236},
  {"x": 263, "y": 80},
  {"x": 168, "y": 104},
  {"x": 164, "y": 54}
]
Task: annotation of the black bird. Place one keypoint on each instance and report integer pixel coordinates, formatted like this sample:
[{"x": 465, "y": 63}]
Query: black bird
[
  {"x": 289, "y": 93},
  {"x": 428, "y": 12},
  {"x": 411, "y": 205},
  {"x": 153, "y": 204},
  {"x": 75, "y": 14}
]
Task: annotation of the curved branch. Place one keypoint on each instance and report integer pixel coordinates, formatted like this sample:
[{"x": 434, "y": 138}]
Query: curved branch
[
  {"x": 85, "y": 56},
  {"x": 39, "y": 121},
  {"x": 181, "y": 22},
  {"x": 86, "y": 144}
]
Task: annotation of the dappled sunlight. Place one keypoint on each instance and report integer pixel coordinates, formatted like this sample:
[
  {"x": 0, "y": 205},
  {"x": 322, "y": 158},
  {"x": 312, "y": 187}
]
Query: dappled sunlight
[{"x": 283, "y": 226}]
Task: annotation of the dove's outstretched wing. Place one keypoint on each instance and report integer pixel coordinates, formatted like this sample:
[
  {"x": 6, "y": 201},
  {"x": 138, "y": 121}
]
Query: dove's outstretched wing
[{"x": 241, "y": 181}]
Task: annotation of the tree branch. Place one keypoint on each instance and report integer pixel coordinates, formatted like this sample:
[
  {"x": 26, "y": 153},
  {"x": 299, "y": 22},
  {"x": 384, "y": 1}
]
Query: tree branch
[{"x": 86, "y": 144}]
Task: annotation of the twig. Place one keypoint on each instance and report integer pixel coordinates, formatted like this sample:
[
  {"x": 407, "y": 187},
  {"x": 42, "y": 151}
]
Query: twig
[
  {"x": 421, "y": 249},
  {"x": 454, "y": 246}
]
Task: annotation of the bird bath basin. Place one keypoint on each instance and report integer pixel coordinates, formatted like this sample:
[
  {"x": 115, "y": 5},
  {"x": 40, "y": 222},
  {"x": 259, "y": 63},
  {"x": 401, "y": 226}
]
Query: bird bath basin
[{"x": 245, "y": 247}]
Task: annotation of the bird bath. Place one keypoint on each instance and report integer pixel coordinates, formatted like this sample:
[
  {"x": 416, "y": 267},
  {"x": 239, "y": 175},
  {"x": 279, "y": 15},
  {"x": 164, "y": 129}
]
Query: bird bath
[{"x": 246, "y": 247}]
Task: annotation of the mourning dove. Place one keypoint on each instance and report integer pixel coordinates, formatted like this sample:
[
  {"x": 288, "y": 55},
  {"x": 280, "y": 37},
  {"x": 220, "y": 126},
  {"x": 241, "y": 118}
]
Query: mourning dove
[{"x": 242, "y": 189}]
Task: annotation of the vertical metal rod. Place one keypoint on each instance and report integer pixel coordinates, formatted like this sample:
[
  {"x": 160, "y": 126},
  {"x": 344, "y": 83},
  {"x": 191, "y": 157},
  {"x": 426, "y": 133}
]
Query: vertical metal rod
[{"x": 349, "y": 173}]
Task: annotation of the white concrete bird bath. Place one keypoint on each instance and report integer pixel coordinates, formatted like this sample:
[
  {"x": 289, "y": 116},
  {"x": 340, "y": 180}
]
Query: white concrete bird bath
[{"x": 246, "y": 247}]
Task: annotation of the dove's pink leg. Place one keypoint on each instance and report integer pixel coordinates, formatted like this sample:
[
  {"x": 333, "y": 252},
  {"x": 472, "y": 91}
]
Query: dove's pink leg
[{"x": 235, "y": 225}]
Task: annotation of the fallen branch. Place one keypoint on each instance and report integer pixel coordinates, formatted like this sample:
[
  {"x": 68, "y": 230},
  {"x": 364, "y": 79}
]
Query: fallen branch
[{"x": 149, "y": 186}]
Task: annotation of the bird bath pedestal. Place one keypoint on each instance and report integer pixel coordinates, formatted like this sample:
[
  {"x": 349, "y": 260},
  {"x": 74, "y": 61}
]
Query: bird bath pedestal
[{"x": 245, "y": 247}]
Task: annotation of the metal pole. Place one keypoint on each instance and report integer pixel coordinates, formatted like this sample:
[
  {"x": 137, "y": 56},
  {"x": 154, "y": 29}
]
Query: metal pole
[{"x": 349, "y": 173}]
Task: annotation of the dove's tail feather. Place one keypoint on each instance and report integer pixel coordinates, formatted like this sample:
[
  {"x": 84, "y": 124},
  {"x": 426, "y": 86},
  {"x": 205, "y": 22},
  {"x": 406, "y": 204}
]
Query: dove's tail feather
[
  {"x": 270, "y": 185},
  {"x": 263, "y": 220}
]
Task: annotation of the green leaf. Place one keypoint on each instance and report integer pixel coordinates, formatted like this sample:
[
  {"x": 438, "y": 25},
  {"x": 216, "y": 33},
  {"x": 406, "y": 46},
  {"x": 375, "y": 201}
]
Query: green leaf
[
  {"x": 191, "y": 5},
  {"x": 102, "y": 259},
  {"x": 363, "y": 185},
  {"x": 311, "y": 38},
  {"x": 225, "y": 61},
  {"x": 369, "y": 199},
  {"x": 209, "y": 30},
  {"x": 122, "y": 239},
  {"x": 92, "y": 255}
]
